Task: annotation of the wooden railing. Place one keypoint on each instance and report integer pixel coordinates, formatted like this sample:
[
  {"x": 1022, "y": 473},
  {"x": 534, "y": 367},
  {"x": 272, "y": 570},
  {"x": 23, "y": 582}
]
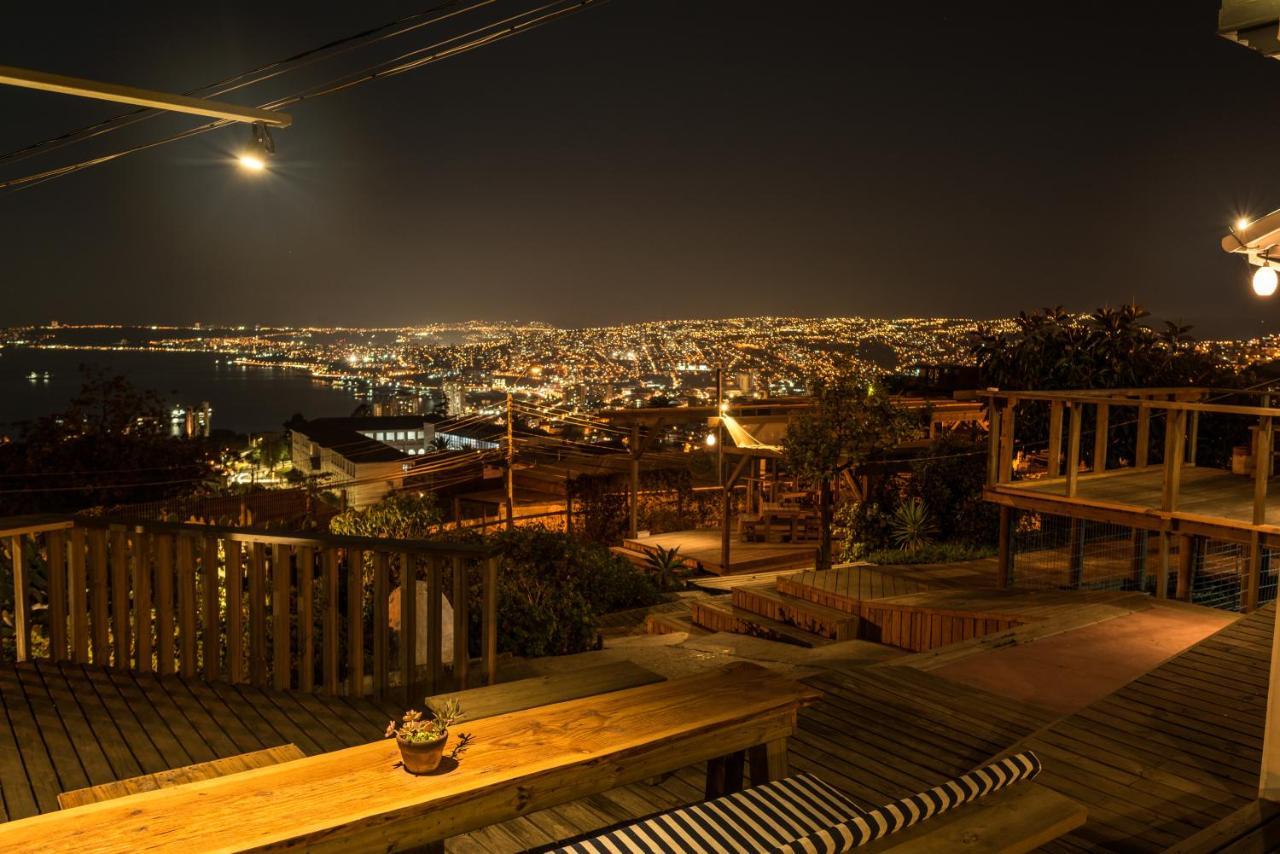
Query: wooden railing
[{"x": 303, "y": 611}]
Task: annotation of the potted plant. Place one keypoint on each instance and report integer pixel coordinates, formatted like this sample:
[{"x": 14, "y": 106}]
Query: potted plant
[{"x": 421, "y": 739}]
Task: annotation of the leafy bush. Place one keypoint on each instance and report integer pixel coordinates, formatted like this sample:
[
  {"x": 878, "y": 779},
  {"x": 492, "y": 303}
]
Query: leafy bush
[
  {"x": 399, "y": 516},
  {"x": 553, "y": 587}
]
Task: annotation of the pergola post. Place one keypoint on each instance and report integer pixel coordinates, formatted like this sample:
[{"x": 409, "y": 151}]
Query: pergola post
[
  {"x": 633, "y": 527},
  {"x": 726, "y": 505}
]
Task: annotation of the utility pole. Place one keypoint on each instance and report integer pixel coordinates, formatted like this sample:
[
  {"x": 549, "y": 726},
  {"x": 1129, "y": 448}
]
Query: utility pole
[{"x": 511, "y": 472}]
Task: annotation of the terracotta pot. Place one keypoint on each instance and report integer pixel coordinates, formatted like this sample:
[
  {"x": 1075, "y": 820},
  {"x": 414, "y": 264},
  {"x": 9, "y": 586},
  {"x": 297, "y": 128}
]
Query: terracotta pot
[{"x": 422, "y": 758}]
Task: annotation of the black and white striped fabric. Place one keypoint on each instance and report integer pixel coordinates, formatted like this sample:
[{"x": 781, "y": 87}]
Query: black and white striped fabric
[
  {"x": 762, "y": 818},
  {"x": 891, "y": 818}
]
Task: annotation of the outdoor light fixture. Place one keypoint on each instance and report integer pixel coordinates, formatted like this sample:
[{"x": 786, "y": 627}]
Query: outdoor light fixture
[
  {"x": 1257, "y": 240},
  {"x": 711, "y": 440},
  {"x": 1265, "y": 281},
  {"x": 261, "y": 147}
]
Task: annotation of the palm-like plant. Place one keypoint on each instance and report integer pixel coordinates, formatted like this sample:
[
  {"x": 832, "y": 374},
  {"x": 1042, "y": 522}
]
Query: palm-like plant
[
  {"x": 668, "y": 566},
  {"x": 912, "y": 527}
]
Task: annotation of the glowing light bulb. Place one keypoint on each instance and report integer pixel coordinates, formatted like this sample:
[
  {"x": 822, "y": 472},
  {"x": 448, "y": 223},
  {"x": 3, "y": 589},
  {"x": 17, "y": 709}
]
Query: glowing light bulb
[
  {"x": 252, "y": 162},
  {"x": 1242, "y": 223},
  {"x": 711, "y": 440},
  {"x": 1265, "y": 281}
]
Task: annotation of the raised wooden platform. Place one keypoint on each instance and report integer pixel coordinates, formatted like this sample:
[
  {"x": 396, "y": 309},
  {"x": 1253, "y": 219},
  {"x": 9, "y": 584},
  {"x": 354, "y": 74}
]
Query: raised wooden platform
[
  {"x": 1213, "y": 502},
  {"x": 701, "y": 550}
]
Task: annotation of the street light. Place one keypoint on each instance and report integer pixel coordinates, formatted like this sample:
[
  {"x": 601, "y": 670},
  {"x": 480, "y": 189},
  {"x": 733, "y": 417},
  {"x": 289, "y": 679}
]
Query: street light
[{"x": 261, "y": 147}]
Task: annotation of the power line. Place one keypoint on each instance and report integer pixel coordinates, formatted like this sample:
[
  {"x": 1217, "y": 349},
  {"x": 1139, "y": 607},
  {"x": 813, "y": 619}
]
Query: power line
[
  {"x": 478, "y": 37},
  {"x": 365, "y": 38}
]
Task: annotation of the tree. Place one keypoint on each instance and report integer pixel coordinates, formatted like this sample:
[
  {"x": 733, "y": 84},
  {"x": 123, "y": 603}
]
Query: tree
[
  {"x": 1052, "y": 349},
  {"x": 850, "y": 424},
  {"x": 110, "y": 446}
]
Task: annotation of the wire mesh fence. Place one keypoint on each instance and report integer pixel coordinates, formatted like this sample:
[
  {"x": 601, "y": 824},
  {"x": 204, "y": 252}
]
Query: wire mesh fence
[{"x": 1060, "y": 553}]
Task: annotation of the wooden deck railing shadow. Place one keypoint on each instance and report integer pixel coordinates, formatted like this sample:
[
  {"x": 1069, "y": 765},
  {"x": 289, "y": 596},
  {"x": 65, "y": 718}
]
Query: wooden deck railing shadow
[{"x": 288, "y": 610}]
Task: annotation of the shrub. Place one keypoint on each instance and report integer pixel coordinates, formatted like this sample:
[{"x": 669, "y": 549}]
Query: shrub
[
  {"x": 552, "y": 588},
  {"x": 913, "y": 528},
  {"x": 931, "y": 553}
]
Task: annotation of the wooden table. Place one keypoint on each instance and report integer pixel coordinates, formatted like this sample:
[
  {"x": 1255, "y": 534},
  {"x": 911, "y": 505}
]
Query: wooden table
[{"x": 358, "y": 799}]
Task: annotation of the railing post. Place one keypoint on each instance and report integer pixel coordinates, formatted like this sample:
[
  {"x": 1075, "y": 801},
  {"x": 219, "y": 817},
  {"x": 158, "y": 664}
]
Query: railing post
[
  {"x": 329, "y": 570},
  {"x": 120, "y": 595},
  {"x": 21, "y": 604},
  {"x": 1055, "y": 438},
  {"x": 408, "y": 626},
  {"x": 355, "y": 623},
  {"x": 1101, "y": 424},
  {"x": 98, "y": 594},
  {"x": 1073, "y": 448},
  {"x": 1007, "y": 423},
  {"x": 993, "y": 442},
  {"x": 461, "y": 625},
  {"x": 258, "y": 614},
  {"x": 490, "y": 621},
  {"x": 1005, "y": 573},
  {"x": 57, "y": 579},
  {"x": 306, "y": 618},
  {"x": 1143, "y": 450},
  {"x": 1174, "y": 444},
  {"x": 1269, "y": 776},
  {"x": 381, "y": 641},
  {"x": 186, "y": 605},
  {"x": 1262, "y": 470},
  {"x": 143, "y": 550},
  {"x": 164, "y": 603},
  {"x": 234, "y": 575},
  {"x": 1253, "y": 576},
  {"x": 280, "y": 658},
  {"x": 78, "y": 604},
  {"x": 211, "y": 635}
]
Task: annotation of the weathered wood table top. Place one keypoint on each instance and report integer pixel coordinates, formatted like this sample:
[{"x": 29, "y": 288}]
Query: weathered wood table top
[{"x": 359, "y": 799}]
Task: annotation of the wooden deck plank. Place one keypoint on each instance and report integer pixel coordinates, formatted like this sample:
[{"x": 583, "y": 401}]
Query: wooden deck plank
[
  {"x": 96, "y": 689},
  {"x": 242, "y": 735},
  {"x": 38, "y": 768},
  {"x": 163, "y": 709},
  {"x": 91, "y": 733}
]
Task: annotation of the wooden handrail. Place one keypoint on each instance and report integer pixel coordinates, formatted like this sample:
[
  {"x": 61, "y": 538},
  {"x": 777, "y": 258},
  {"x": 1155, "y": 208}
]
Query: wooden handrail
[{"x": 184, "y": 598}]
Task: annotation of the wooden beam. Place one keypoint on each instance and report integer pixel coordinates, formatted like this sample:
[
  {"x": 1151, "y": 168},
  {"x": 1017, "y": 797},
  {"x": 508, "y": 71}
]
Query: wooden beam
[
  {"x": 1174, "y": 445},
  {"x": 1101, "y": 424},
  {"x": 1186, "y": 553},
  {"x": 21, "y": 605},
  {"x": 1144, "y": 435},
  {"x": 1253, "y": 573},
  {"x": 1073, "y": 448},
  {"x": 1162, "y": 579},
  {"x": 1007, "y": 423},
  {"x": 43, "y": 81},
  {"x": 1055, "y": 438},
  {"x": 1004, "y": 575},
  {"x": 1269, "y": 778},
  {"x": 1193, "y": 440},
  {"x": 993, "y": 443},
  {"x": 1261, "y": 470}
]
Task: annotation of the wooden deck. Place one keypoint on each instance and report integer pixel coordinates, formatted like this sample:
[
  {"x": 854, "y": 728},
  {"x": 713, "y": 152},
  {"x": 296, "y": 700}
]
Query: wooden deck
[
  {"x": 1133, "y": 496},
  {"x": 701, "y": 550},
  {"x": 67, "y": 726},
  {"x": 1172, "y": 752},
  {"x": 1164, "y": 757}
]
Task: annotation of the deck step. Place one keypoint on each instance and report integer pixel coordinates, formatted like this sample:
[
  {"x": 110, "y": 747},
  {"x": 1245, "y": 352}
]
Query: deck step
[
  {"x": 720, "y": 616},
  {"x": 636, "y": 557},
  {"x": 552, "y": 688},
  {"x": 767, "y": 601},
  {"x": 669, "y": 623}
]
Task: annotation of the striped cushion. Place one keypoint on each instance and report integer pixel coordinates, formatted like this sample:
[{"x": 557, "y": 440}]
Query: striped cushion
[
  {"x": 761, "y": 818},
  {"x": 891, "y": 818}
]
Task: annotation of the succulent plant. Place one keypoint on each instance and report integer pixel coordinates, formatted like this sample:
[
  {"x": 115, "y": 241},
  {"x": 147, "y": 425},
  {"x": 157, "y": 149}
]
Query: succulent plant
[{"x": 416, "y": 728}]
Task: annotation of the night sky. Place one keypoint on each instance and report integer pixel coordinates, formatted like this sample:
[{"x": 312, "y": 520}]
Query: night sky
[{"x": 653, "y": 159}]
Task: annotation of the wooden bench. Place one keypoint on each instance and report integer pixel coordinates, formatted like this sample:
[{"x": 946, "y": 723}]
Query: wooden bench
[
  {"x": 518, "y": 763},
  {"x": 1020, "y": 818},
  {"x": 178, "y": 776},
  {"x": 1253, "y": 827},
  {"x": 520, "y": 694}
]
